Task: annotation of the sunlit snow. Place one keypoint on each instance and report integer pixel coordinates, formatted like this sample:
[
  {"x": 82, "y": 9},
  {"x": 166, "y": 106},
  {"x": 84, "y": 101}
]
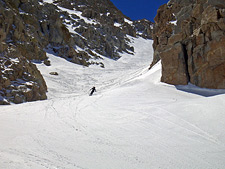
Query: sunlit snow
[
  {"x": 128, "y": 21},
  {"x": 116, "y": 24},
  {"x": 78, "y": 13},
  {"x": 173, "y": 22},
  {"x": 133, "y": 121}
]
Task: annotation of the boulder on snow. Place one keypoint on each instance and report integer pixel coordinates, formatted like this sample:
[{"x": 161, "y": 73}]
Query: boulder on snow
[
  {"x": 47, "y": 62},
  {"x": 54, "y": 73}
]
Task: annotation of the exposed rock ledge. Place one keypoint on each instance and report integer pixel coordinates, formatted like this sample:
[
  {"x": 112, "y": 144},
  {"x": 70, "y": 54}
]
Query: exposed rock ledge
[{"x": 189, "y": 38}]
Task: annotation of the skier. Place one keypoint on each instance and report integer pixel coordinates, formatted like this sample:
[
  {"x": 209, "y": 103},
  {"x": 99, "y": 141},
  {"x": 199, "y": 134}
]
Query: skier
[{"x": 92, "y": 91}]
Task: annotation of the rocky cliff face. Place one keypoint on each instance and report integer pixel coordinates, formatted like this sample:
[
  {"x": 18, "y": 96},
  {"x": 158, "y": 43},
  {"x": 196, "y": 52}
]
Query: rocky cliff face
[
  {"x": 20, "y": 80},
  {"x": 81, "y": 31},
  {"x": 189, "y": 38}
]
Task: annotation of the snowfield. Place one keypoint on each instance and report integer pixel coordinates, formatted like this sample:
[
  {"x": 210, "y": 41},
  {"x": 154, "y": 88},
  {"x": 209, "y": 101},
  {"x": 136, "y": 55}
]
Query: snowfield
[{"x": 133, "y": 121}]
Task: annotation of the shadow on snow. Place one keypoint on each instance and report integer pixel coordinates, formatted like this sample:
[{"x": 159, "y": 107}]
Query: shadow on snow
[{"x": 190, "y": 88}]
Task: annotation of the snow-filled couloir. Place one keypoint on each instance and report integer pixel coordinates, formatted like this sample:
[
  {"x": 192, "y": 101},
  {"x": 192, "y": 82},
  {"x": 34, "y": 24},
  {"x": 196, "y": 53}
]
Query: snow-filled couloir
[{"x": 133, "y": 121}]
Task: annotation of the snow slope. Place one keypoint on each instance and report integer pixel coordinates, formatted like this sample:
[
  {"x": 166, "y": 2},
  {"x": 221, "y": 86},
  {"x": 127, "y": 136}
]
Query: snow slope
[{"x": 132, "y": 122}]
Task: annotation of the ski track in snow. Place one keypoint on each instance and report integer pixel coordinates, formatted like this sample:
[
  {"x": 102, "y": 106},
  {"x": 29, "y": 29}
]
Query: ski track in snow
[{"x": 132, "y": 122}]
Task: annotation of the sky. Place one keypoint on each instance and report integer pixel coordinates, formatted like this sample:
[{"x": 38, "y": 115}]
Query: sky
[{"x": 139, "y": 9}]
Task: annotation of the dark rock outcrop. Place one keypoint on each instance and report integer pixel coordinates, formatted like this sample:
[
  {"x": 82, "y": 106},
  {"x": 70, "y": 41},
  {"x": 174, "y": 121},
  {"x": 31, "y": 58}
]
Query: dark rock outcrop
[
  {"x": 20, "y": 80},
  {"x": 189, "y": 38},
  {"x": 101, "y": 28},
  {"x": 144, "y": 28}
]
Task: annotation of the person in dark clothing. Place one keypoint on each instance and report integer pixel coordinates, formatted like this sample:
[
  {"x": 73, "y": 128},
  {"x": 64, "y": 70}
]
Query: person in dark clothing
[{"x": 92, "y": 91}]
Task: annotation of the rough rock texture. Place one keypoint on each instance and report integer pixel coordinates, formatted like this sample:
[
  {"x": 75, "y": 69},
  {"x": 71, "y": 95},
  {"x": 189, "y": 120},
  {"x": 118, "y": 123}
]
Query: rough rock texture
[
  {"x": 101, "y": 28},
  {"x": 189, "y": 38},
  {"x": 81, "y": 31},
  {"x": 20, "y": 80},
  {"x": 144, "y": 28}
]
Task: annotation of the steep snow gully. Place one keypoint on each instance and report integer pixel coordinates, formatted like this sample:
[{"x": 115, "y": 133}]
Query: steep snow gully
[{"x": 133, "y": 121}]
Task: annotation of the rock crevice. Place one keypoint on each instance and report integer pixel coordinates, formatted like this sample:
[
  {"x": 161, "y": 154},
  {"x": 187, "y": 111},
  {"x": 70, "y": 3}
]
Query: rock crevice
[{"x": 186, "y": 62}]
